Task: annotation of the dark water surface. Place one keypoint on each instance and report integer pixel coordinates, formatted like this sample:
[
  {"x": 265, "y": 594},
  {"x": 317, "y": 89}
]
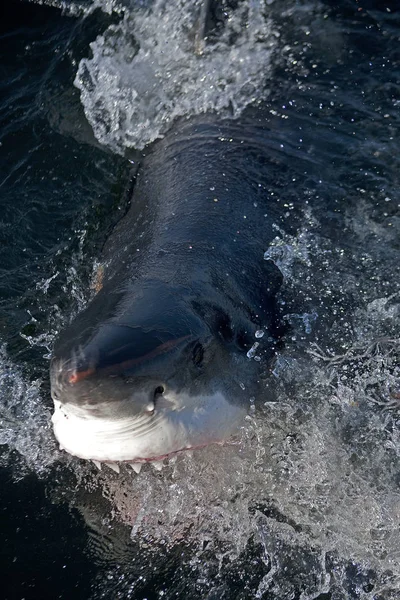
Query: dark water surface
[{"x": 308, "y": 506}]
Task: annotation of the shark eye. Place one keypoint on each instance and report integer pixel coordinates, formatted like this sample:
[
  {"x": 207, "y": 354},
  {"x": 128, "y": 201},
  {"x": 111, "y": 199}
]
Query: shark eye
[{"x": 197, "y": 354}]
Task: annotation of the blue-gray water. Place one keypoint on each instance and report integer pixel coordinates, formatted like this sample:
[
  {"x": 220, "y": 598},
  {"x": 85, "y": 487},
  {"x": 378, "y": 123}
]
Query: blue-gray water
[{"x": 309, "y": 505}]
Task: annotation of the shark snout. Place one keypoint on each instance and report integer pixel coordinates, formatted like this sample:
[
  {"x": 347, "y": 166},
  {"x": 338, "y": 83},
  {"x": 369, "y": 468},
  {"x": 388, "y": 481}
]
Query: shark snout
[{"x": 89, "y": 387}]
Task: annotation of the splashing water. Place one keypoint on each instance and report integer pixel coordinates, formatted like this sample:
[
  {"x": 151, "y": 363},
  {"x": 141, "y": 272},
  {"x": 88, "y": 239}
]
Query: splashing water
[
  {"x": 308, "y": 495},
  {"x": 307, "y": 503},
  {"x": 145, "y": 71},
  {"x": 24, "y": 419}
]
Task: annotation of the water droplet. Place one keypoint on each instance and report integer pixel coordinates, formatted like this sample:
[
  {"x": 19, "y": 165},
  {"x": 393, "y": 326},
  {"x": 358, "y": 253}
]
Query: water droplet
[{"x": 251, "y": 353}]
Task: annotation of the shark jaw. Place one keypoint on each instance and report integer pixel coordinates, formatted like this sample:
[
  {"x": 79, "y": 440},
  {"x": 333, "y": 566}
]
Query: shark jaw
[{"x": 109, "y": 434}]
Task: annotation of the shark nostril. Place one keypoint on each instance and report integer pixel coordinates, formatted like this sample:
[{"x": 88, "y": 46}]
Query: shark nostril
[{"x": 158, "y": 391}]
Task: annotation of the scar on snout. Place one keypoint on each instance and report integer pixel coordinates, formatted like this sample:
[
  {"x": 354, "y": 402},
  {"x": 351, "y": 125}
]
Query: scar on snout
[
  {"x": 79, "y": 375},
  {"x": 97, "y": 280}
]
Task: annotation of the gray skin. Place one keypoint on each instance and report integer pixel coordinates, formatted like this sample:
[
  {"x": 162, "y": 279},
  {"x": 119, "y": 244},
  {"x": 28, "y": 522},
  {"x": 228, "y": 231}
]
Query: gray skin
[{"x": 185, "y": 288}]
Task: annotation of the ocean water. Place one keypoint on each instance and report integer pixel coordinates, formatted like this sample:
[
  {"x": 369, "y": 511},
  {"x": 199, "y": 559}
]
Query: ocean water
[{"x": 307, "y": 505}]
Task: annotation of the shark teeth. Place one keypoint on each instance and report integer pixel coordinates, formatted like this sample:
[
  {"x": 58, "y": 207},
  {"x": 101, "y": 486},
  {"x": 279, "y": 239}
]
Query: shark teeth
[
  {"x": 113, "y": 466},
  {"x": 137, "y": 467},
  {"x": 158, "y": 464}
]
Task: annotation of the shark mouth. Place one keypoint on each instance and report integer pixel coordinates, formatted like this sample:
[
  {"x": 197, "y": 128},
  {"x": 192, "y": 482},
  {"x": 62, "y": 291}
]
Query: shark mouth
[{"x": 106, "y": 433}]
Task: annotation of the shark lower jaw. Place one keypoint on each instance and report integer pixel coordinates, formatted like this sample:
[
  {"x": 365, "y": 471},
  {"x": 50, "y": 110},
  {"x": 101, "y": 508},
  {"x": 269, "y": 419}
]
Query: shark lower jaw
[{"x": 193, "y": 423}]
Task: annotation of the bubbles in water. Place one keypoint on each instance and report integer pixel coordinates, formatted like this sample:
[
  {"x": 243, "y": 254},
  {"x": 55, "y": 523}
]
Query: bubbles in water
[
  {"x": 303, "y": 322},
  {"x": 284, "y": 251}
]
